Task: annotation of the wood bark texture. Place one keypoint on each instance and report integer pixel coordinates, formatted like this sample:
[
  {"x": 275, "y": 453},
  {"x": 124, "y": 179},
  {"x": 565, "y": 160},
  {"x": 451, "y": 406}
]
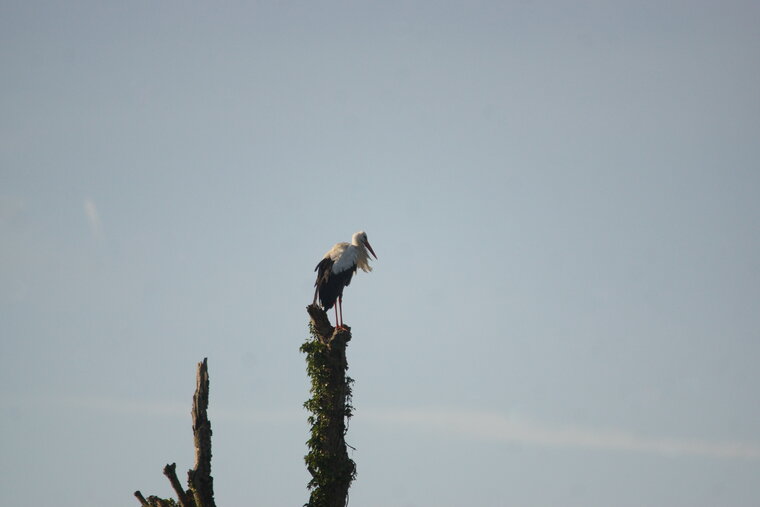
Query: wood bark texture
[
  {"x": 199, "y": 478},
  {"x": 200, "y": 482}
]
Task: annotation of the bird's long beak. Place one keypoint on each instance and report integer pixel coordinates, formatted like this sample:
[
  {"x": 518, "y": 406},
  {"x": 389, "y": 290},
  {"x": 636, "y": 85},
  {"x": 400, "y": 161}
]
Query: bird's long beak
[{"x": 369, "y": 247}]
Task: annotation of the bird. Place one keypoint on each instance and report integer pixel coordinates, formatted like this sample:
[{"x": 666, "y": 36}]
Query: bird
[{"x": 335, "y": 270}]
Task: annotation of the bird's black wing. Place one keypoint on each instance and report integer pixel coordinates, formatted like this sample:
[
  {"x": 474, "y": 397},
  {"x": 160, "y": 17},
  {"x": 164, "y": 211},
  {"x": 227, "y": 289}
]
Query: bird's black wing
[
  {"x": 329, "y": 285},
  {"x": 323, "y": 269}
]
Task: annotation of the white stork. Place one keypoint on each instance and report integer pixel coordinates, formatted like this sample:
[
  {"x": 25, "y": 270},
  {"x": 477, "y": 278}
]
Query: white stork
[{"x": 335, "y": 270}]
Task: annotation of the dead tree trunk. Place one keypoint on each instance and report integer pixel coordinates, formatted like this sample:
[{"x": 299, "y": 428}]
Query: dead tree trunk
[
  {"x": 331, "y": 469},
  {"x": 199, "y": 480}
]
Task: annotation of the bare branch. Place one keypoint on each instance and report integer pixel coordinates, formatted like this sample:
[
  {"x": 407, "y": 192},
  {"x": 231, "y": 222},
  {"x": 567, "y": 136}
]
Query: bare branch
[
  {"x": 170, "y": 471},
  {"x": 141, "y": 498}
]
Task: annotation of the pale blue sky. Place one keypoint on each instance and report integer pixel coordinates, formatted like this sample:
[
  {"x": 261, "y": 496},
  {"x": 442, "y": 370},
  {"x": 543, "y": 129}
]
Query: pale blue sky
[{"x": 563, "y": 198}]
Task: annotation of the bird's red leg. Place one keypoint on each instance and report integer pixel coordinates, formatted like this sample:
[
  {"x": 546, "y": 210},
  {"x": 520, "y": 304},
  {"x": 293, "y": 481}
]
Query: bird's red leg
[
  {"x": 340, "y": 300},
  {"x": 337, "y": 324}
]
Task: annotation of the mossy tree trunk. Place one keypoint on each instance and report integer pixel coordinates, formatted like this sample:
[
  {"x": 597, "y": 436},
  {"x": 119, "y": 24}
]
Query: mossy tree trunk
[{"x": 331, "y": 469}]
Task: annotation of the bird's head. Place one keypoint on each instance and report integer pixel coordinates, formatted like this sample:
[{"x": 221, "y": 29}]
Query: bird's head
[{"x": 360, "y": 239}]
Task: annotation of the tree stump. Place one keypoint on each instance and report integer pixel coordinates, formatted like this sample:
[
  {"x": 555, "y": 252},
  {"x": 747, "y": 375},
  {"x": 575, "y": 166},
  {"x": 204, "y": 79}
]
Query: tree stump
[{"x": 331, "y": 469}]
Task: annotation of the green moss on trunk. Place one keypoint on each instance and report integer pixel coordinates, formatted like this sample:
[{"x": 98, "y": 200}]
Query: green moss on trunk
[{"x": 331, "y": 469}]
